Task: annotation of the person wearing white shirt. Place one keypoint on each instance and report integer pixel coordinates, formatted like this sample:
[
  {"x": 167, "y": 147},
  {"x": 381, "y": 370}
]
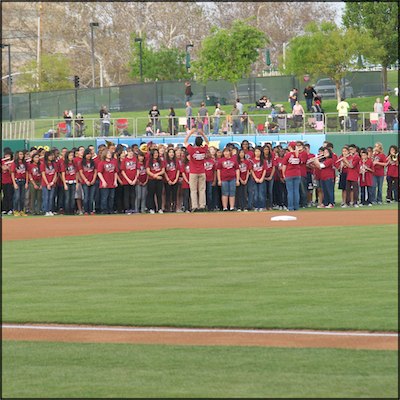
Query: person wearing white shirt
[{"x": 343, "y": 111}]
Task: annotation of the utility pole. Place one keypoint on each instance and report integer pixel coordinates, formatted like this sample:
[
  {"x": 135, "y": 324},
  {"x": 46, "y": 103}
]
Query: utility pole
[
  {"x": 39, "y": 45},
  {"x": 9, "y": 80},
  {"x": 93, "y": 24}
]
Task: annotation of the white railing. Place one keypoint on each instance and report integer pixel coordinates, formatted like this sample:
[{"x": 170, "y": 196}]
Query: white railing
[{"x": 17, "y": 129}]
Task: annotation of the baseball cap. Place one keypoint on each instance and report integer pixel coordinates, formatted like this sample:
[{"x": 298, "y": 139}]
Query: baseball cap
[{"x": 292, "y": 144}]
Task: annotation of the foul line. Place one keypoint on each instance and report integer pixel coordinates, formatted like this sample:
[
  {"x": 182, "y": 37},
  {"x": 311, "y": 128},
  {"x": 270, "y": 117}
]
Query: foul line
[{"x": 198, "y": 330}]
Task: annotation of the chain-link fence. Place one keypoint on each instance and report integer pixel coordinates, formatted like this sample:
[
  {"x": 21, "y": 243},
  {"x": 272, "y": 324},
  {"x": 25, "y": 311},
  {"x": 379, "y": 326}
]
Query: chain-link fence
[{"x": 140, "y": 97}]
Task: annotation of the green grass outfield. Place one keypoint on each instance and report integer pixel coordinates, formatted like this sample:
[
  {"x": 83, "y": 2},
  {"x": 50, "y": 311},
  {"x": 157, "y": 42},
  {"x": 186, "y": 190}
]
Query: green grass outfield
[
  {"x": 322, "y": 278},
  {"x": 56, "y": 370}
]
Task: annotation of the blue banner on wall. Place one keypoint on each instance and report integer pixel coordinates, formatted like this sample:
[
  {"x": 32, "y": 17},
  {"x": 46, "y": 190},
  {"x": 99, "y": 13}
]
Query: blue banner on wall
[{"x": 315, "y": 141}]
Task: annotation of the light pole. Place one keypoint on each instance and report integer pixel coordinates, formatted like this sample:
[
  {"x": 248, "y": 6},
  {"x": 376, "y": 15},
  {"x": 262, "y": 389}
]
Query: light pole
[
  {"x": 284, "y": 53},
  {"x": 93, "y": 24},
  {"x": 9, "y": 80},
  {"x": 140, "y": 40},
  {"x": 188, "y": 46}
]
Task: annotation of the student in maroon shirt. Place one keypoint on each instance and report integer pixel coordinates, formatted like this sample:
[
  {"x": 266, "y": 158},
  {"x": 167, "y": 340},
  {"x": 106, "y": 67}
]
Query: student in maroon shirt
[
  {"x": 379, "y": 161},
  {"x": 155, "y": 170},
  {"x": 352, "y": 163},
  {"x": 392, "y": 174},
  {"x": 258, "y": 172},
  {"x": 141, "y": 186},
  {"x": 49, "y": 171},
  {"x": 228, "y": 178},
  {"x": 19, "y": 177},
  {"x": 211, "y": 179},
  {"x": 172, "y": 172},
  {"x": 185, "y": 171},
  {"x": 366, "y": 178},
  {"x": 129, "y": 175},
  {"x": 270, "y": 166},
  {"x": 325, "y": 164},
  {"x": 88, "y": 175},
  {"x": 108, "y": 170},
  {"x": 244, "y": 173},
  {"x": 6, "y": 182},
  {"x": 341, "y": 166},
  {"x": 35, "y": 178},
  {"x": 69, "y": 172},
  {"x": 197, "y": 172}
]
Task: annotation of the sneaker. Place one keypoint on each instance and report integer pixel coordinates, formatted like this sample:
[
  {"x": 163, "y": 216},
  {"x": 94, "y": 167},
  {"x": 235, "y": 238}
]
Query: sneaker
[
  {"x": 187, "y": 211},
  {"x": 309, "y": 205},
  {"x": 86, "y": 213},
  {"x": 225, "y": 209},
  {"x": 380, "y": 203},
  {"x": 280, "y": 208},
  {"x": 52, "y": 214},
  {"x": 238, "y": 210},
  {"x": 276, "y": 207},
  {"x": 231, "y": 209},
  {"x": 10, "y": 213},
  {"x": 245, "y": 210},
  {"x": 344, "y": 205},
  {"x": 47, "y": 214},
  {"x": 92, "y": 213},
  {"x": 285, "y": 208},
  {"x": 179, "y": 211},
  {"x": 369, "y": 205},
  {"x": 321, "y": 206},
  {"x": 4, "y": 212},
  {"x": 160, "y": 211},
  {"x": 361, "y": 205},
  {"x": 152, "y": 212},
  {"x": 356, "y": 205},
  {"x": 388, "y": 201},
  {"x": 329, "y": 206}
]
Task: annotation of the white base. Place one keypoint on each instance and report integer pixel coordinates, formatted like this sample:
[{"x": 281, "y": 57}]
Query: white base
[{"x": 284, "y": 218}]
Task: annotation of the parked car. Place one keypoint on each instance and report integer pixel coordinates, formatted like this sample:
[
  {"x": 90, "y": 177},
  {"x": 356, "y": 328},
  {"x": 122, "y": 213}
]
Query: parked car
[
  {"x": 248, "y": 93},
  {"x": 327, "y": 88},
  {"x": 373, "y": 89}
]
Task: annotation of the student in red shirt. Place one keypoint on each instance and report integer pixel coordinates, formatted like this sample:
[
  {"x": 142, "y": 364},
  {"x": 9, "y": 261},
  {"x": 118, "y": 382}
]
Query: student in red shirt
[
  {"x": 197, "y": 172},
  {"x": 141, "y": 186},
  {"x": 325, "y": 164},
  {"x": 129, "y": 175},
  {"x": 172, "y": 172},
  {"x": 88, "y": 175},
  {"x": 69, "y": 172},
  {"x": 258, "y": 172},
  {"x": 108, "y": 169},
  {"x": 366, "y": 178},
  {"x": 280, "y": 192},
  {"x": 244, "y": 173},
  {"x": 48, "y": 169},
  {"x": 291, "y": 173},
  {"x": 309, "y": 174},
  {"x": 392, "y": 174},
  {"x": 185, "y": 171},
  {"x": 35, "y": 178},
  {"x": 379, "y": 161},
  {"x": 270, "y": 166},
  {"x": 19, "y": 177},
  {"x": 211, "y": 179},
  {"x": 228, "y": 178},
  {"x": 341, "y": 166},
  {"x": 6, "y": 182},
  {"x": 155, "y": 170},
  {"x": 352, "y": 163}
]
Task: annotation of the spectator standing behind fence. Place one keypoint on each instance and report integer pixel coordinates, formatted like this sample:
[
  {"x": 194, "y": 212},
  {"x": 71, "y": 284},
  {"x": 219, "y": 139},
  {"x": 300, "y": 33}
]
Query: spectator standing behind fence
[
  {"x": 68, "y": 115},
  {"x": 298, "y": 113},
  {"x": 239, "y": 106},
  {"x": 189, "y": 115},
  {"x": 293, "y": 97},
  {"x": 188, "y": 91},
  {"x": 217, "y": 115},
  {"x": 172, "y": 122},
  {"x": 101, "y": 113},
  {"x": 154, "y": 115},
  {"x": 106, "y": 122},
  {"x": 202, "y": 117},
  {"x": 235, "y": 119},
  {"x": 309, "y": 94},
  {"x": 386, "y": 104},
  {"x": 343, "y": 110},
  {"x": 353, "y": 113},
  {"x": 79, "y": 125}
]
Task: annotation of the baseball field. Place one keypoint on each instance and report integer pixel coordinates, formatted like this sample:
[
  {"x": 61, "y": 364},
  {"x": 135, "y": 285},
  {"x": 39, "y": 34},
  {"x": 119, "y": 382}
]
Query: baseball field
[{"x": 201, "y": 305}]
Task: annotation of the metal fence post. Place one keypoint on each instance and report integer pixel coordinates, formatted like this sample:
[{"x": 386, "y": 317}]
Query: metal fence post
[{"x": 363, "y": 128}]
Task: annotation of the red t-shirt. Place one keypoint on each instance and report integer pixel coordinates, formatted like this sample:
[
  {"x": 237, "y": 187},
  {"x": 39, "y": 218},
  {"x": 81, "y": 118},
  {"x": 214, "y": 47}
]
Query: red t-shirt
[
  {"x": 155, "y": 167},
  {"x": 317, "y": 174},
  {"x": 108, "y": 169},
  {"x": 278, "y": 170},
  {"x": 303, "y": 162},
  {"x": 142, "y": 177},
  {"x": 392, "y": 169},
  {"x": 171, "y": 169},
  {"x": 50, "y": 170},
  {"x": 185, "y": 169},
  {"x": 328, "y": 172},
  {"x": 367, "y": 180},
  {"x": 5, "y": 170},
  {"x": 34, "y": 171},
  {"x": 248, "y": 154},
  {"x": 209, "y": 166},
  {"x": 309, "y": 168},
  {"x": 70, "y": 170},
  {"x": 87, "y": 170},
  {"x": 353, "y": 171},
  {"x": 379, "y": 170},
  {"x": 19, "y": 171},
  {"x": 78, "y": 162},
  {"x": 293, "y": 163},
  {"x": 269, "y": 165},
  {"x": 197, "y": 157},
  {"x": 258, "y": 167},
  {"x": 129, "y": 165},
  {"x": 244, "y": 166},
  {"x": 228, "y": 167}
]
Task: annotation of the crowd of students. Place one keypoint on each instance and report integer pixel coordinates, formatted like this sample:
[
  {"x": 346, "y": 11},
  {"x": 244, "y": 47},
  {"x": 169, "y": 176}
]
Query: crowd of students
[{"x": 193, "y": 178}]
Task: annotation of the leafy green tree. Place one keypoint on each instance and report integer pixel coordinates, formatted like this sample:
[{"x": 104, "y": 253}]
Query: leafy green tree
[
  {"x": 328, "y": 50},
  {"x": 55, "y": 74},
  {"x": 229, "y": 53},
  {"x": 381, "y": 20},
  {"x": 163, "y": 64}
]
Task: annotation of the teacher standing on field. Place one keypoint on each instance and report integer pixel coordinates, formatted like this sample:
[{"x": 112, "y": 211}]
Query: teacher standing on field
[{"x": 197, "y": 177}]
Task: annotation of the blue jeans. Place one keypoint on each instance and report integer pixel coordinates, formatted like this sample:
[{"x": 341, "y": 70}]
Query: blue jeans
[
  {"x": 269, "y": 189},
  {"x": 303, "y": 191},
  {"x": 97, "y": 202},
  {"x": 377, "y": 195},
  {"x": 235, "y": 126},
  {"x": 309, "y": 103},
  {"x": 250, "y": 193},
  {"x": 293, "y": 192},
  {"x": 328, "y": 187},
  {"x": 209, "y": 196},
  {"x": 107, "y": 200},
  {"x": 47, "y": 199},
  {"x": 70, "y": 198},
  {"x": 228, "y": 188},
  {"x": 88, "y": 197},
  {"x": 216, "y": 126},
  {"x": 366, "y": 190},
  {"x": 19, "y": 195},
  {"x": 259, "y": 195}
]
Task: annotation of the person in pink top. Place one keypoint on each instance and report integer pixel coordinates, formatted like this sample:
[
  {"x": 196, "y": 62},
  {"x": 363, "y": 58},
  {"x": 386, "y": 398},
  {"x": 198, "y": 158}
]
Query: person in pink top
[
  {"x": 392, "y": 174},
  {"x": 197, "y": 178}
]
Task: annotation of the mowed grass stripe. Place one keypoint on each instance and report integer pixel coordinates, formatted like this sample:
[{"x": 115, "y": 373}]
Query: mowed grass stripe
[
  {"x": 318, "y": 278},
  {"x": 68, "y": 370}
]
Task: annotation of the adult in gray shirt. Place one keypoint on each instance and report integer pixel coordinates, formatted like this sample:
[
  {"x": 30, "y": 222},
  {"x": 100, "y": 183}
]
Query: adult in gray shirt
[
  {"x": 203, "y": 118},
  {"x": 239, "y": 106},
  {"x": 189, "y": 115}
]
